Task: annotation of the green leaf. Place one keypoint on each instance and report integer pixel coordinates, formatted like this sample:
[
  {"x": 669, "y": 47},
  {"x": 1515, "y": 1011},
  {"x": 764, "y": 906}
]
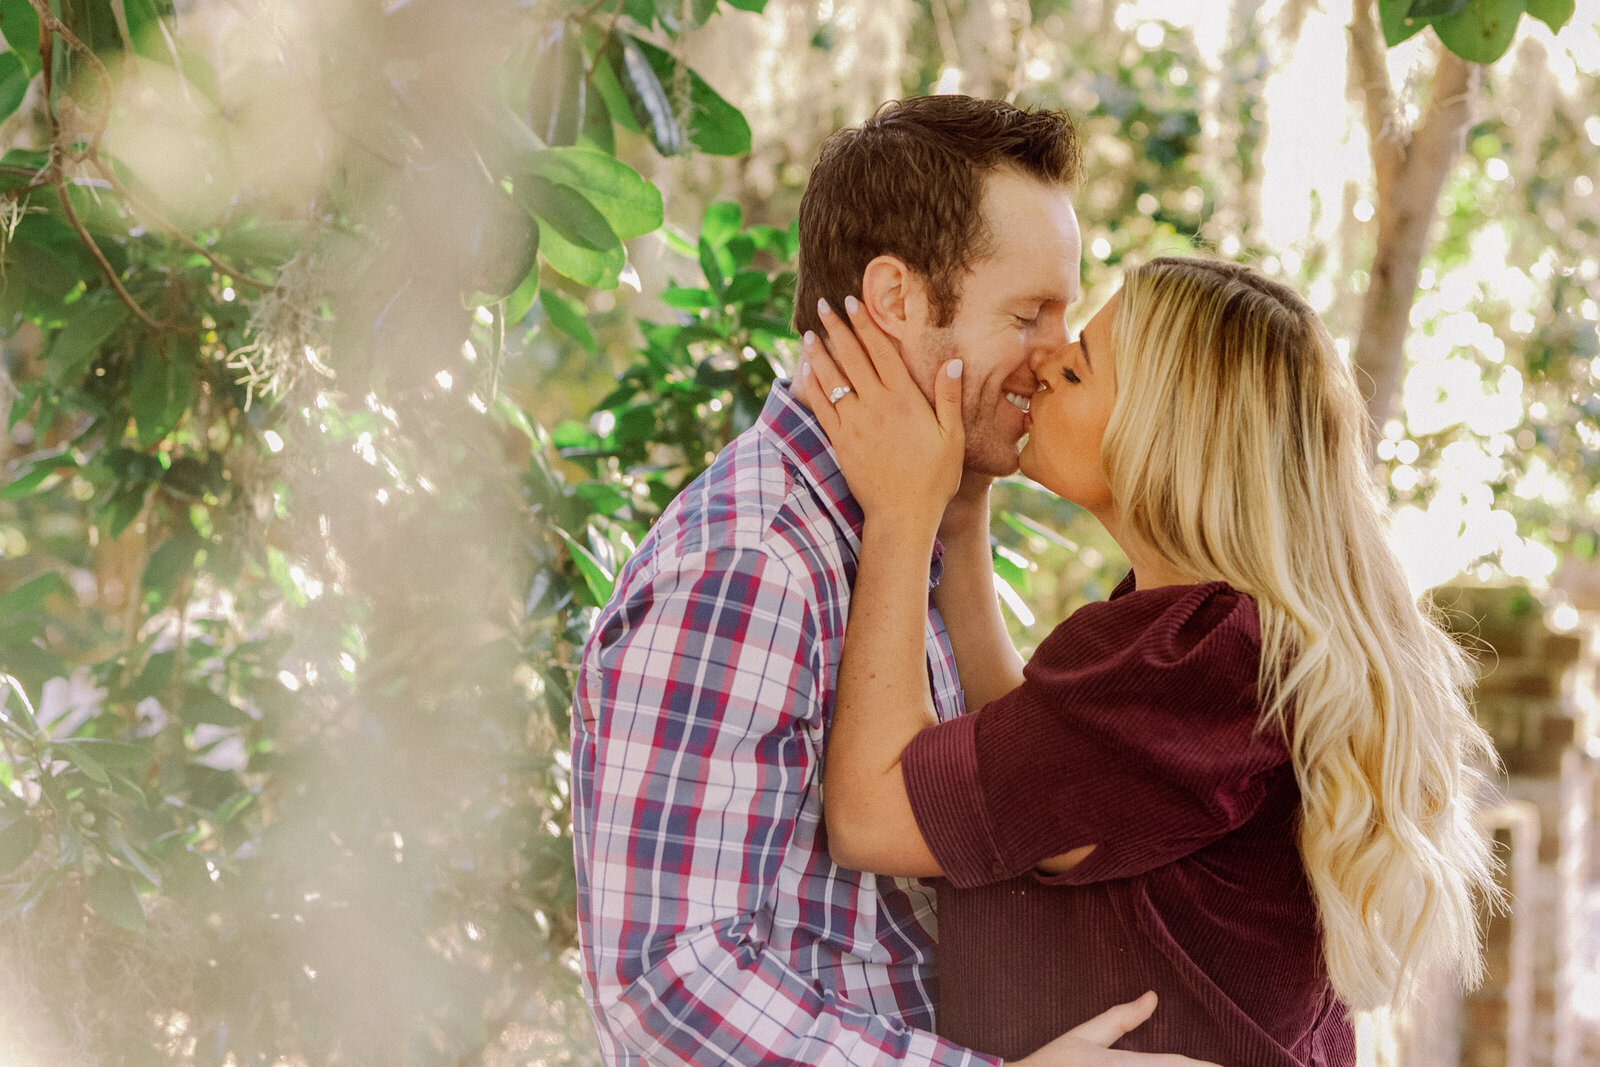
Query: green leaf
[
  {"x": 606, "y": 78},
  {"x": 35, "y": 279},
  {"x": 711, "y": 267},
  {"x": 631, "y": 205},
  {"x": 749, "y": 287},
  {"x": 124, "y": 506},
  {"x": 154, "y": 676},
  {"x": 715, "y": 126},
  {"x": 1553, "y": 13},
  {"x": 74, "y": 754},
  {"x": 149, "y": 394},
  {"x": 603, "y": 499},
  {"x": 142, "y": 18},
  {"x": 232, "y": 807},
  {"x": 111, "y": 894},
  {"x": 1483, "y": 30},
  {"x": 647, "y": 98},
  {"x": 19, "y": 22},
  {"x": 35, "y": 892},
  {"x": 597, "y": 132},
  {"x": 29, "y": 597},
  {"x": 91, "y": 321},
  {"x": 756, "y": 6},
  {"x": 202, "y": 705},
  {"x": 700, "y": 11},
  {"x": 169, "y": 564},
  {"x": 1394, "y": 17},
  {"x": 597, "y": 270},
  {"x": 69, "y": 846},
  {"x": 566, "y": 211},
  {"x": 267, "y": 243},
  {"x": 17, "y": 842},
  {"x": 687, "y": 299},
  {"x": 192, "y": 475},
  {"x": 559, "y": 89},
  {"x": 721, "y": 222},
  {"x": 136, "y": 859},
  {"x": 1427, "y": 9},
  {"x": 595, "y": 577},
  {"x": 20, "y": 711},
  {"x": 505, "y": 247},
  {"x": 115, "y": 753},
  {"x": 641, "y": 11},
  {"x": 516, "y": 306},
  {"x": 14, "y": 79},
  {"x": 568, "y": 316}
]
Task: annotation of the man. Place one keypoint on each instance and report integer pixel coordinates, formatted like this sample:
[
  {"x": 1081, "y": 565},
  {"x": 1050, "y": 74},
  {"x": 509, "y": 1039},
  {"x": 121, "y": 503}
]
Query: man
[{"x": 714, "y": 926}]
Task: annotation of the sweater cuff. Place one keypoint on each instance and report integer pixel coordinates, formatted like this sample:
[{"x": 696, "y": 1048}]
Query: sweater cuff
[{"x": 940, "y": 767}]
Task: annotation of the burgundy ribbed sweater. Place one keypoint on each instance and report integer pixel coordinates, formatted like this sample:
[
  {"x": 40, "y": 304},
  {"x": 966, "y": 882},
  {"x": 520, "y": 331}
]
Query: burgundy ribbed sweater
[{"x": 1135, "y": 731}]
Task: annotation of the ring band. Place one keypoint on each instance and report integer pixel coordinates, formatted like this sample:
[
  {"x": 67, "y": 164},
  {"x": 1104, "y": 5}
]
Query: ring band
[{"x": 838, "y": 394}]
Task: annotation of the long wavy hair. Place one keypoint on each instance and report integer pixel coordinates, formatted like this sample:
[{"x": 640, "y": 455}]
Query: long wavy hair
[{"x": 1236, "y": 449}]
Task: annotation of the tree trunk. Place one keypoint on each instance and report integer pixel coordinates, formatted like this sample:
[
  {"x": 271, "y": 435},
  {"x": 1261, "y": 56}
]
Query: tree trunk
[{"x": 1411, "y": 167}]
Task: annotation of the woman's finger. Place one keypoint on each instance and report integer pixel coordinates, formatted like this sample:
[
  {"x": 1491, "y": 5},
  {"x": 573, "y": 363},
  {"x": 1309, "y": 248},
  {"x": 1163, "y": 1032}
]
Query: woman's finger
[
  {"x": 1109, "y": 1026},
  {"x": 819, "y": 379},
  {"x": 947, "y": 399},
  {"x": 848, "y": 355},
  {"x": 884, "y": 356}
]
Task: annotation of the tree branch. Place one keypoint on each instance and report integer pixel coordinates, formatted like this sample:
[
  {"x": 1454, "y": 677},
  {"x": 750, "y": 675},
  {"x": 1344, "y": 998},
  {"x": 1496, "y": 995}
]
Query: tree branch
[
  {"x": 50, "y": 27},
  {"x": 1385, "y": 132},
  {"x": 106, "y": 268},
  {"x": 1408, "y": 203}
]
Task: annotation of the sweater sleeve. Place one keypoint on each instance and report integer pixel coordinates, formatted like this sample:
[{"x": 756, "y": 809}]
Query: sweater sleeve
[{"x": 1135, "y": 730}]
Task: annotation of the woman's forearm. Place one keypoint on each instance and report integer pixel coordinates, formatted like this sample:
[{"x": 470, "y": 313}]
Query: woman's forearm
[
  {"x": 881, "y": 701},
  {"x": 986, "y": 660}
]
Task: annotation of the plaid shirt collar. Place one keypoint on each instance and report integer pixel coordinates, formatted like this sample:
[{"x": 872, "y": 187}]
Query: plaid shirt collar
[{"x": 791, "y": 426}]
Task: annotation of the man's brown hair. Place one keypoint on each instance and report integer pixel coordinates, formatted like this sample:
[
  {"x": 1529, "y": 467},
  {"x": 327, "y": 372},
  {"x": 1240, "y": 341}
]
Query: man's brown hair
[{"x": 909, "y": 183}]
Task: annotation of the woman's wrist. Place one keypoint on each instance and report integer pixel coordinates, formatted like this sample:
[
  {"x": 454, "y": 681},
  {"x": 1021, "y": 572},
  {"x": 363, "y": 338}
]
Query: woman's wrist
[{"x": 903, "y": 529}]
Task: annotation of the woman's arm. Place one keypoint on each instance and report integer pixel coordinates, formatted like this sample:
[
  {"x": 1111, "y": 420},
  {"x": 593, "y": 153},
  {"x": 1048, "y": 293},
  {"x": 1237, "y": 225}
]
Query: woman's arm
[
  {"x": 881, "y": 702},
  {"x": 987, "y": 662},
  {"x": 902, "y": 479},
  {"x": 903, "y": 464}
]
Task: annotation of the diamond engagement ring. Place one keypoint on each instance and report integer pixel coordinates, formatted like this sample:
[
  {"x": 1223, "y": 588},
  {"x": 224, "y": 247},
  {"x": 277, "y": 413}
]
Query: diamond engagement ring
[{"x": 838, "y": 394}]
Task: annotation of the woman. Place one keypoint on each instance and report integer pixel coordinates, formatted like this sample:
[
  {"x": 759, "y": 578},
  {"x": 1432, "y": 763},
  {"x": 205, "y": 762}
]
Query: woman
[{"x": 1247, "y": 780}]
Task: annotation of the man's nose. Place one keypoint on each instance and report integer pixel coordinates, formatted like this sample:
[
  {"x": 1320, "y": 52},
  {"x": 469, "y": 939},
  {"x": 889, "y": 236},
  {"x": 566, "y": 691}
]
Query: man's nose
[
  {"x": 1045, "y": 354},
  {"x": 1051, "y": 334}
]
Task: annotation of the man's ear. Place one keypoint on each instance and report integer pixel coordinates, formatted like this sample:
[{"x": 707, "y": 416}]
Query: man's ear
[{"x": 894, "y": 296}]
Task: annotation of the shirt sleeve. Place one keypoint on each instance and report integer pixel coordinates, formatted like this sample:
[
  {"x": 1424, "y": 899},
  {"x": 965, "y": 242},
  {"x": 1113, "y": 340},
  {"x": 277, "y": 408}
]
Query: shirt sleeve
[
  {"x": 695, "y": 759},
  {"x": 1136, "y": 730}
]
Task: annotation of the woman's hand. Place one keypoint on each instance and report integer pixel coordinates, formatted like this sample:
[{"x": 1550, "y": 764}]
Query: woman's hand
[
  {"x": 901, "y": 457},
  {"x": 1089, "y": 1045}
]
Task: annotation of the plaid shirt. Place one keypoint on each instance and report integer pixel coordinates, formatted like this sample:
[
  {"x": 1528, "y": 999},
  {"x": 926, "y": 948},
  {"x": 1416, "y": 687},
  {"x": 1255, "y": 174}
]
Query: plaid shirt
[{"x": 714, "y": 926}]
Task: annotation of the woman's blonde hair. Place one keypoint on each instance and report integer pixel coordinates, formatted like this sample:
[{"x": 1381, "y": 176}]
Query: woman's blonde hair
[{"x": 1236, "y": 448}]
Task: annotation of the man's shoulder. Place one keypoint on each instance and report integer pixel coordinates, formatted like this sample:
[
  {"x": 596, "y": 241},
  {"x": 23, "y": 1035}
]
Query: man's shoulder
[{"x": 752, "y": 502}]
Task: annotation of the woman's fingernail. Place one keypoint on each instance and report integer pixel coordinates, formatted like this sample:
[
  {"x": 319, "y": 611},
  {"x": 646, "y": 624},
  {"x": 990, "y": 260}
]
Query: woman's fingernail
[
  {"x": 810, "y": 338},
  {"x": 823, "y": 308},
  {"x": 851, "y": 304},
  {"x": 953, "y": 368}
]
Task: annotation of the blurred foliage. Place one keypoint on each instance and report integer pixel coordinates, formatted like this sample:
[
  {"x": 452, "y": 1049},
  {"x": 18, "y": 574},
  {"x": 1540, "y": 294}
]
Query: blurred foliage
[{"x": 285, "y": 759}]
